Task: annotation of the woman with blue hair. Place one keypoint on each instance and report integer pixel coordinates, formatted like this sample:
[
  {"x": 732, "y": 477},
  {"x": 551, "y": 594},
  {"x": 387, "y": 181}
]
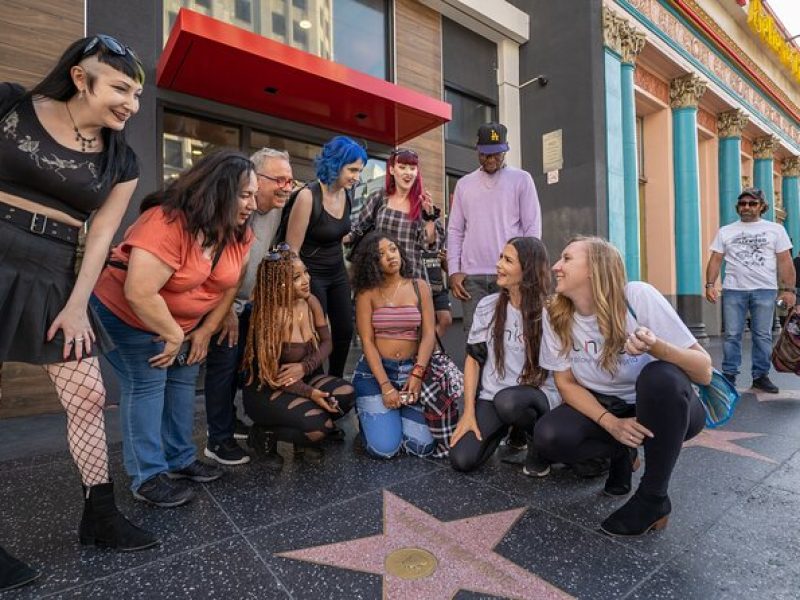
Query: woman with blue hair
[{"x": 320, "y": 218}]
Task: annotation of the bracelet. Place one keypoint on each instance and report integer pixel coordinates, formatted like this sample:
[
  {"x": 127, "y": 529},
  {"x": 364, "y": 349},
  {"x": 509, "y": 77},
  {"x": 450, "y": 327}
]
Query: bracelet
[
  {"x": 603, "y": 414},
  {"x": 385, "y": 383},
  {"x": 417, "y": 375},
  {"x": 709, "y": 285},
  {"x": 418, "y": 367},
  {"x": 791, "y": 290},
  {"x": 389, "y": 392}
]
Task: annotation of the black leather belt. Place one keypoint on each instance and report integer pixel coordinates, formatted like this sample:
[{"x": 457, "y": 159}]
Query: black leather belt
[{"x": 38, "y": 224}]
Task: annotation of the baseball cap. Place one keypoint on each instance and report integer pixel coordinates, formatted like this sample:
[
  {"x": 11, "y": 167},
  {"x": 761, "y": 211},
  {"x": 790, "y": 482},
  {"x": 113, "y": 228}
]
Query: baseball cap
[
  {"x": 492, "y": 138},
  {"x": 752, "y": 192}
]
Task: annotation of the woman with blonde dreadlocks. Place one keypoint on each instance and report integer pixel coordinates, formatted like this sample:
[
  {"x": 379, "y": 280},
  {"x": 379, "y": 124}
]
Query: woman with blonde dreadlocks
[{"x": 287, "y": 395}]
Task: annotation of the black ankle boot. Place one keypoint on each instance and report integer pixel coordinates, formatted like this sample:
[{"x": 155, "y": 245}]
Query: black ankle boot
[
  {"x": 623, "y": 464},
  {"x": 13, "y": 572},
  {"x": 265, "y": 444},
  {"x": 103, "y": 525},
  {"x": 638, "y": 515}
]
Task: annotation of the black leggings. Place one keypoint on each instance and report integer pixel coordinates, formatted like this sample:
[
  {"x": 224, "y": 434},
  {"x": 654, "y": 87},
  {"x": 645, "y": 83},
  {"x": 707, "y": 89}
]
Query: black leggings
[
  {"x": 520, "y": 406},
  {"x": 332, "y": 289},
  {"x": 665, "y": 403},
  {"x": 297, "y": 419}
]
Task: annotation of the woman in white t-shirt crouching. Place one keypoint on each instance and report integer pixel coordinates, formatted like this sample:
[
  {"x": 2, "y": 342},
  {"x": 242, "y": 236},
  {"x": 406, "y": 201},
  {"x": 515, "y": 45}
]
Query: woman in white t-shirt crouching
[
  {"x": 624, "y": 364},
  {"x": 502, "y": 349}
]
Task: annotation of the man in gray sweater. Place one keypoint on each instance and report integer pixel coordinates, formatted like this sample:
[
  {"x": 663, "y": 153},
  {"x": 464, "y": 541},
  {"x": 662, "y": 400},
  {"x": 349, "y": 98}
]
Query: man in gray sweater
[{"x": 275, "y": 184}]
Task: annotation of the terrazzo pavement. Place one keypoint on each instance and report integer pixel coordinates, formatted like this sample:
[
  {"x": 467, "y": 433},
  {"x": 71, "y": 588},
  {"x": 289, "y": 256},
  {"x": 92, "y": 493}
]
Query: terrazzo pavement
[{"x": 326, "y": 531}]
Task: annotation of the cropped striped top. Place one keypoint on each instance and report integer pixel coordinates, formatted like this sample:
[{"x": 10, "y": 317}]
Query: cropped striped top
[{"x": 397, "y": 322}]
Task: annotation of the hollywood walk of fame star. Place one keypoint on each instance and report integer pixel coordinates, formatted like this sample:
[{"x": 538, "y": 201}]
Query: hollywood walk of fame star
[
  {"x": 723, "y": 441},
  {"x": 420, "y": 556}
]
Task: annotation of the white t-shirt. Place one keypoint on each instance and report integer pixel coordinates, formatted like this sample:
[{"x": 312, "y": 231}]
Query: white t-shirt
[
  {"x": 514, "y": 347},
  {"x": 652, "y": 311},
  {"x": 750, "y": 251}
]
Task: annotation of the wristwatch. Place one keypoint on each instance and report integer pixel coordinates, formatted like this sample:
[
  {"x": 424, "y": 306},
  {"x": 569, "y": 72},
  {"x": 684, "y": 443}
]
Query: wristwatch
[{"x": 709, "y": 285}]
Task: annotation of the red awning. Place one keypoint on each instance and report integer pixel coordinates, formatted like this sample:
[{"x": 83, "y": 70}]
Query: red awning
[{"x": 208, "y": 58}]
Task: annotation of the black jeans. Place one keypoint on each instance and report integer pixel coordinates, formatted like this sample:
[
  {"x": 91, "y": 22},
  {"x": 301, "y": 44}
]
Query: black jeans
[
  {"x": 520, "y": 406},
  {"x": 332, "y": 289},
  {"x": 665, "y": 403},
  {"x": 222, "y": 381}
]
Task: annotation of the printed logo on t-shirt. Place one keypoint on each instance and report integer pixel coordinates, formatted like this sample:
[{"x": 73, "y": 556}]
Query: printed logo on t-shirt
[
  {"x": 748, "y": 249},
  {"x": 589, "y": 351}
]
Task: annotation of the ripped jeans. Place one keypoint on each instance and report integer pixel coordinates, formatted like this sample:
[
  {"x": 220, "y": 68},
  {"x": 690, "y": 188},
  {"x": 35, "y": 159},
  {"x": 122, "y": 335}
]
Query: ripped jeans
[{"x": 388, "y": 430}]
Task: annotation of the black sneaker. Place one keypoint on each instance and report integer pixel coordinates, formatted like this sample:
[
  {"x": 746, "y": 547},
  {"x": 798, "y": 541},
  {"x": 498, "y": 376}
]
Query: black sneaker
[
  {"x": 163, "y": 492},
  {"x": 240, "y": 430},
  {"x": 765, "y": 385},
  {"x": 197, "y": 471},
  {"x": 730, "y": 377},
  {"x": 227, "y": 452},
  {"x": 591, "y": 467},
  {"x": 14, "y": 573},
  {"x": 535, "y": 465},
  {"x": 517, "y": 439}
]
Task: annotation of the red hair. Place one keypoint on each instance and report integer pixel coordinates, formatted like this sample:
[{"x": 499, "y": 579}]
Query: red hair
[{"x": 406, "y": 157}]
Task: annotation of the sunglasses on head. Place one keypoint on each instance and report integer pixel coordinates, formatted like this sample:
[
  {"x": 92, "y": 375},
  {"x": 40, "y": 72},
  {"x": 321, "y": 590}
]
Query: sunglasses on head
[
  {"x": 404, "y": 152},
  {"x": 109, "y": 43}
]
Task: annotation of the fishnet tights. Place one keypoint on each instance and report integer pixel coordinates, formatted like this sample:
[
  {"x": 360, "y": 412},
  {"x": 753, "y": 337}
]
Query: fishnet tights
[{"x": 79, "y": 386}]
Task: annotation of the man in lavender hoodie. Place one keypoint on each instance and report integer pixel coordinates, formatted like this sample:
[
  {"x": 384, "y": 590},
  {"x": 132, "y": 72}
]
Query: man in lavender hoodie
[{"x": 490, "y": 206}]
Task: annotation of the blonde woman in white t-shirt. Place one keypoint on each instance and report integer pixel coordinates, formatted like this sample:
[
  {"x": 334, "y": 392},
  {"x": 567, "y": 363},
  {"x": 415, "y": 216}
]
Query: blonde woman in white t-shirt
[
  {"x": 503, "y": 384},
  {"x": 624, "y": 364}
]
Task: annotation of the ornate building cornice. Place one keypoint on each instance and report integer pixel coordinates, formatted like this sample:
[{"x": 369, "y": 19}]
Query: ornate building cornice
[
  {"x": 731, "y": 123},
  {"x": 632, "y": 43},
  {"x": 612, "y": 30},
  {"x": 764, "y": 147},
  {"x": 791, "y": 167},
  {"x": 686, "y": 91}
]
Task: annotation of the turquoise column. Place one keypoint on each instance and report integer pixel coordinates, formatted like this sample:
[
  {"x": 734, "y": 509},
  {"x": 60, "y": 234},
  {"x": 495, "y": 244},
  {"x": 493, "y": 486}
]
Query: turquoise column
[
  {"x": 632, "y": 43},
  {"x": 763, "y": 152},
  {"x": 685, "y": 93},
  {"x": 615, "y": 162},
  {"x": 790, "y": 190},
  {"x": 729, "y": 127}
]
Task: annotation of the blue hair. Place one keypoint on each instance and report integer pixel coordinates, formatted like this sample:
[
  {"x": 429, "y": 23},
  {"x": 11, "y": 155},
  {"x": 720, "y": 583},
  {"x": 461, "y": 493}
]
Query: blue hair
[{"x": 337, "y": 153}]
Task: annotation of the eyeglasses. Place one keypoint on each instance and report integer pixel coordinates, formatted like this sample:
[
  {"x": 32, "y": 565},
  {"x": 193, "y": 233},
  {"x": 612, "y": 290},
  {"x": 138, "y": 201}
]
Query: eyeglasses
[
  {"x": 281, "y": 181},
  {"x": 749, "y": 202},
  {"x": 109, "y": 43}
]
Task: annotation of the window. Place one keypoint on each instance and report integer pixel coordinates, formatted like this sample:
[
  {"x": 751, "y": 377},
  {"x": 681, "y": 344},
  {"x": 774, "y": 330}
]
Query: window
[
  {"x": 640, "y": 146},
  {"x": 187, "y": 139},
  {"x": 242, "y": 10},
  {"x": 360, "y": 35},
  {"x": 299, "y": 36},
  {"x": 354, "y": 33},
  {"x": 469, "y": 113},
  {"x": 278, "y": 24}
]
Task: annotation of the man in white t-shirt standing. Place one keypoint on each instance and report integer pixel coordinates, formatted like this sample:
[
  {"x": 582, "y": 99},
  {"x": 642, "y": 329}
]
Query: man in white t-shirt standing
[{"x": 758, "y": 257}]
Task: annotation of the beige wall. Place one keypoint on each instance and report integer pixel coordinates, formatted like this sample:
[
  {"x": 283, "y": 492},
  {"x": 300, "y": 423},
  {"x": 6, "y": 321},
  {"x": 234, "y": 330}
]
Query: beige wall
[{"x": 419, "y": 67}]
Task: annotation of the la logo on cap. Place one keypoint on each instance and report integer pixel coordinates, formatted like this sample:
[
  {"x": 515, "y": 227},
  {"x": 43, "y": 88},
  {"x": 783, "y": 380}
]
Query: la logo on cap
[{"x": 495, "y": 136}]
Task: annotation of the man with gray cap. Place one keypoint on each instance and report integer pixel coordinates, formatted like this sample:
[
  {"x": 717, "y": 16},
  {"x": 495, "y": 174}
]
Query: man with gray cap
[
  {"x": 275, "y": 184},
  {"x": 490, "y": 206},
  {"x": 758, "y": 269}
]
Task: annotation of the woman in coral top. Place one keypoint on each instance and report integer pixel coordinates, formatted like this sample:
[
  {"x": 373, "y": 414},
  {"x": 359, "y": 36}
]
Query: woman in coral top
[{"x": 166, "y": 290}]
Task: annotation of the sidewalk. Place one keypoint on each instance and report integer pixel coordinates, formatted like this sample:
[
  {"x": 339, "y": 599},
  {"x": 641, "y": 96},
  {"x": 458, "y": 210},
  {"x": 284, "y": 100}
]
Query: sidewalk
[{"x": 733, "y": 532}]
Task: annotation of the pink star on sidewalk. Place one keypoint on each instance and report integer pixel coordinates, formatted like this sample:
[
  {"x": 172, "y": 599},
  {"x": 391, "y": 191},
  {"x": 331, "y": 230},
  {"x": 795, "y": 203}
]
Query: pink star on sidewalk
[
  {"x": 723, "y": 441},
  {"x": 460, "y": 555}
]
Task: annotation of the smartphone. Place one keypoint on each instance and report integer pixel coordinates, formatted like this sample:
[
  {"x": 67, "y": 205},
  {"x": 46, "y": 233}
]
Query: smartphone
[
  {"x": 406, "y": 397},
  {"x": 183, "y": 353},
  {"x": 334, "y": 403}
]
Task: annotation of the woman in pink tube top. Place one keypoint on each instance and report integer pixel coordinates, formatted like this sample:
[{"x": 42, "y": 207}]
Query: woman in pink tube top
[{"x": 395, "y": 320}]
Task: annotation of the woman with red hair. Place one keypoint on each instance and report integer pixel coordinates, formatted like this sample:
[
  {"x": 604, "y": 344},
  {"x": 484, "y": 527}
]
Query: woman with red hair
[{"x": 404, "y": 210}]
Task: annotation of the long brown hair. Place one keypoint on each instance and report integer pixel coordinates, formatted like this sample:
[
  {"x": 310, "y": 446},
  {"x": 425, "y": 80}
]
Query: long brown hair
[
  {"x": 608, "y": 292},
  {"x": 272, "y": 318},
  {"x": 534, "y": 289}
]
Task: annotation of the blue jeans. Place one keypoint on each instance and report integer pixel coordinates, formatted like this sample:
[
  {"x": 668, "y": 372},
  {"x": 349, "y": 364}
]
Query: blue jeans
[
  {"x": 735, "y": 306},
  {"x": 387, "y": 430},
  {"x": 156, "y": 405},
  {"x": 222, "y": 382}
]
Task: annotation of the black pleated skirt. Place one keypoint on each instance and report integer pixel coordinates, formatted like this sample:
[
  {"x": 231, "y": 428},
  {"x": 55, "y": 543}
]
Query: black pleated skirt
[{"x": 36, "y": 279}]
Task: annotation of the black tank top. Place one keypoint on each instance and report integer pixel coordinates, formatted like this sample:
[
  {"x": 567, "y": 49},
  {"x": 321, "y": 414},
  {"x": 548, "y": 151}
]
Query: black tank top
[{"x": 322, "y": 247}]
